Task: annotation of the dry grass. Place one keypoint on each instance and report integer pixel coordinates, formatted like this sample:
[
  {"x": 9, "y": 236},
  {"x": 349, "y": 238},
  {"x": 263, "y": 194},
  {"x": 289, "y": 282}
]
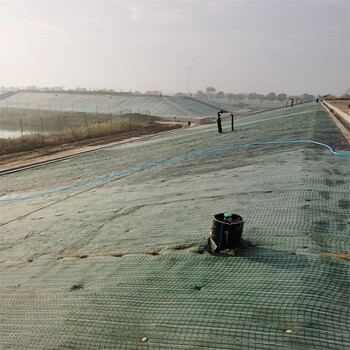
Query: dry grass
[
  {"x": 41, "y": 128},
  {"x": 96, "y": 129}
]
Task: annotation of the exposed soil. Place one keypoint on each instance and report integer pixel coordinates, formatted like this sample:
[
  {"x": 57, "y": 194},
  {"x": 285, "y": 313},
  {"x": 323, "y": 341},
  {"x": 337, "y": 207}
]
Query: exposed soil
[
  {"x": 340, "y": 255},
  {"x": 343, "y": 105},
  {"x": 26, "y": 158}
]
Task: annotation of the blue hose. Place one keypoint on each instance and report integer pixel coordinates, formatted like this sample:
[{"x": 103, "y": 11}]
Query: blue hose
[{"x": 171, "y": 160}]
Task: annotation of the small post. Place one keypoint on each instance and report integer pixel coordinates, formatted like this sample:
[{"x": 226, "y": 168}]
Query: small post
[
  {"x": 20, "y": 124},
  {"x": 232, "y": 122},
  {"x": 41, "y": 126}
]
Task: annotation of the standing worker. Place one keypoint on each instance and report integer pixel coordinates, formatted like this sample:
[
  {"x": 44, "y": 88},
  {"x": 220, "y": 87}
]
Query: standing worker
[{"x": 219, "y": 121}]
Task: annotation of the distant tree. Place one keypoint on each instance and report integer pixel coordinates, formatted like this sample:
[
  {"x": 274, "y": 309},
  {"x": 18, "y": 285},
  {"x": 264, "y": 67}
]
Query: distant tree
[
  {"x": 210, "y": 91},
  {"x": 239, "y": 97},
  {"x": 260, "y": 97},
  {"x": 220, "y": 95},
  {"x": 200, "y": 94},
  {"x": 252, "y": 96},
  {"x": 307, "y": 97},
  {"x": 271, "y": 96},
  {"x": 281, "y": 97}
]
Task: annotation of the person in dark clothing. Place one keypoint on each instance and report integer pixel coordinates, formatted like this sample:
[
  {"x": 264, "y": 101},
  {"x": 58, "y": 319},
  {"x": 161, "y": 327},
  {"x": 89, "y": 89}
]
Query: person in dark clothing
[
  {"x": 219, "y": 121},
  {"x": 292, "y": 102},
  {"x": 219, "y": 124}
]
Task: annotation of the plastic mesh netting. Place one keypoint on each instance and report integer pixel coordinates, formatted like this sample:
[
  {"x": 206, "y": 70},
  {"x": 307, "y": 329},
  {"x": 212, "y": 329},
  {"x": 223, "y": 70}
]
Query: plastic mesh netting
[
  {"x": 164, "y": 107},
  {"x": 104, "y": 265}
]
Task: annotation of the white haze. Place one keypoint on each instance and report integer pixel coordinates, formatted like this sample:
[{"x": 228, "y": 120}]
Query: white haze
[{"x": 234, "y": 46}]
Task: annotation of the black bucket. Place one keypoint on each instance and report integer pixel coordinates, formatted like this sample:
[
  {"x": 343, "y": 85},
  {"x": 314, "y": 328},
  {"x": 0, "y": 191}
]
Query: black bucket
[{"x": 227, "y": 235}]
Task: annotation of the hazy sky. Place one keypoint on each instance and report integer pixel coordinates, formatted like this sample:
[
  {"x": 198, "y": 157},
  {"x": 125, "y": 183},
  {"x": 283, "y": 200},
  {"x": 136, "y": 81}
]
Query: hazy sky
[{"x": 234, "y": 46}]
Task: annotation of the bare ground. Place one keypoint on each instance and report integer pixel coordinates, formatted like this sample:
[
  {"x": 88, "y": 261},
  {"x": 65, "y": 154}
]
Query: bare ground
[{"x": 343, "y": 105}]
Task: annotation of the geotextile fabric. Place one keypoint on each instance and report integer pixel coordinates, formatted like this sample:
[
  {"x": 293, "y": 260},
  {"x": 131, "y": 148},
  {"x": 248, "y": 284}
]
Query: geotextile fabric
[{"x": 109, "y": 264}]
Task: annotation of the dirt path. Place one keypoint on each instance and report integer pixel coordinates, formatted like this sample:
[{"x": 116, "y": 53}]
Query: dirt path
[
  {"x": 14, "y": 161},
  {"x": 343, "y": 105}
]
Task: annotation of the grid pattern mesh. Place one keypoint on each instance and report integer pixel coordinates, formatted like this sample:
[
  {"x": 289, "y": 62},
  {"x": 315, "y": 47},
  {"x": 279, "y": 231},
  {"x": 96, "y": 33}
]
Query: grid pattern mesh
[{"x": 103, "y": 266}]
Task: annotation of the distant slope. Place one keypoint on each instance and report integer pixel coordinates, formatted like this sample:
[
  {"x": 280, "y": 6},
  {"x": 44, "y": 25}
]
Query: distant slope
[
  {"x": 5, "y": 95},
  {"x": 167, "y": 107}
]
